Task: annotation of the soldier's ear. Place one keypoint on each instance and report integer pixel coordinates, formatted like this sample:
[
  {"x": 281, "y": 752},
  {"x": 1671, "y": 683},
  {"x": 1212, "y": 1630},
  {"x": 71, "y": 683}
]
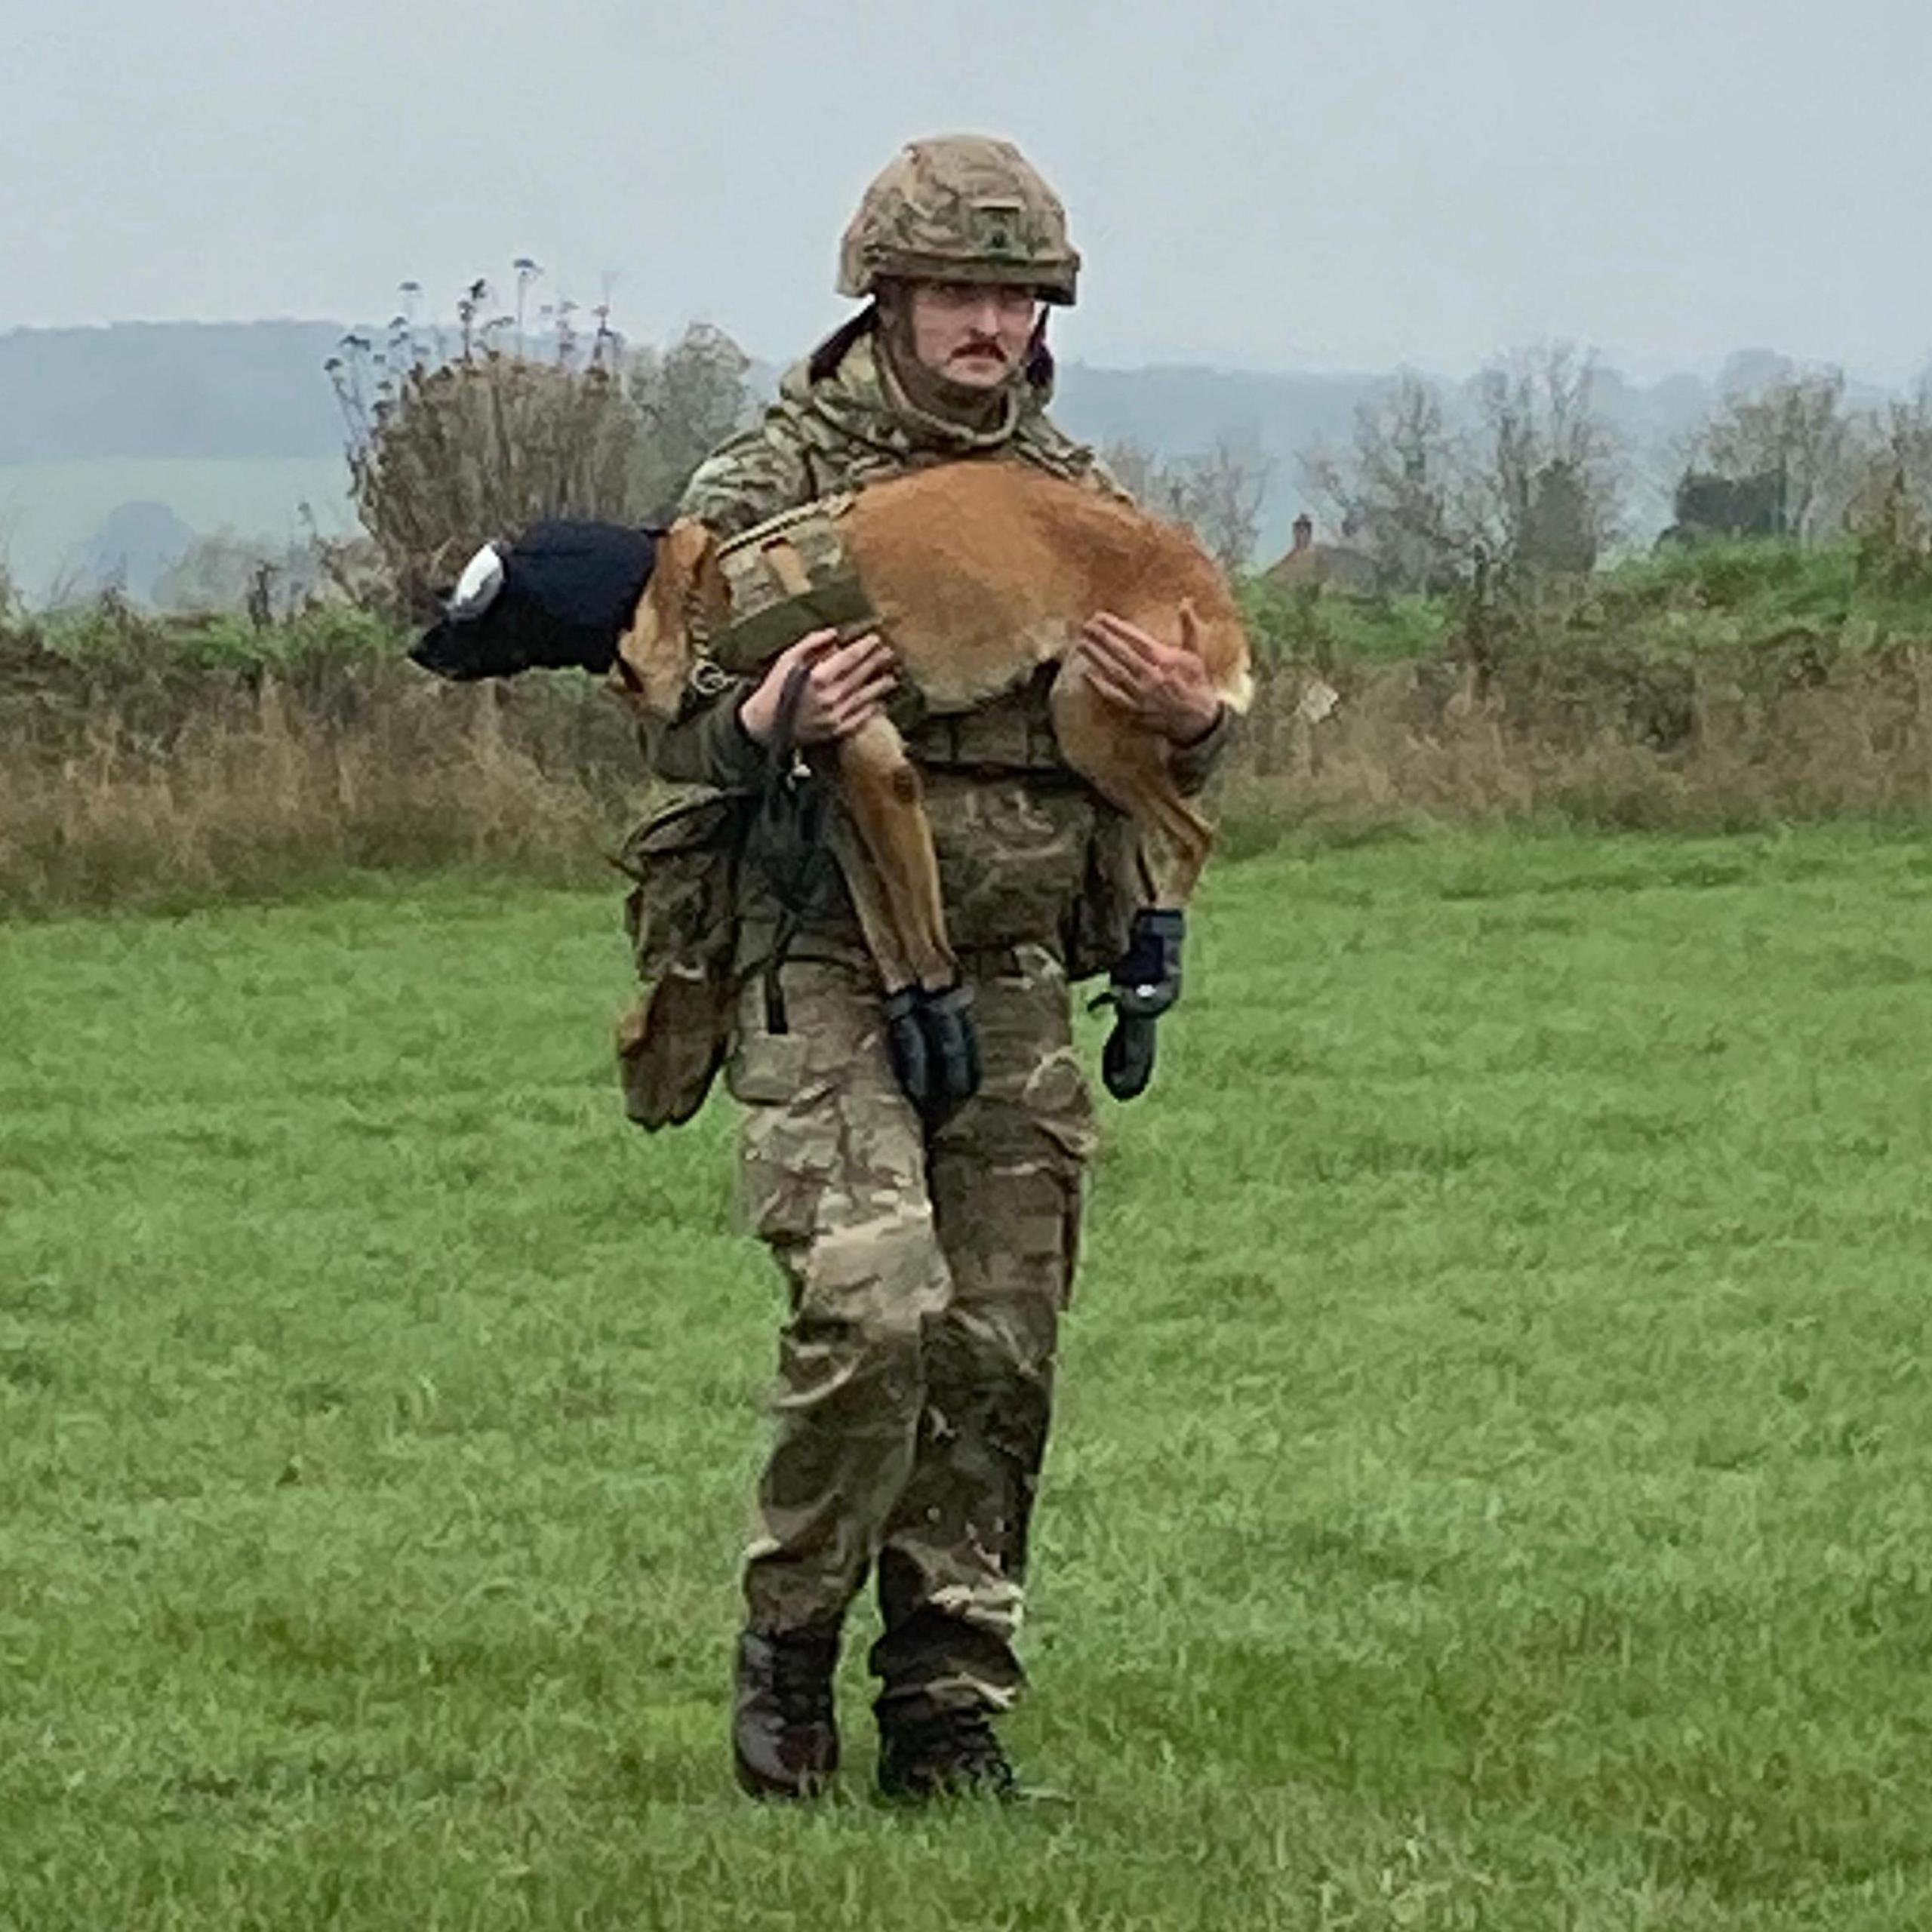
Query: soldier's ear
[{"x": 657, "y": 650}]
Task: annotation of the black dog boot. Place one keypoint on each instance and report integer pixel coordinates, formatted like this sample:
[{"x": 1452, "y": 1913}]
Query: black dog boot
[
  {"x": 905, "y": 1043},
  {"x": 953, "y": 1044},
  {"x": 935, "y": 1049},
  {"x": 784, "y": 1736},
  {"x": 942, "y": 1754},
  {"x": 1144, "y": 982}
]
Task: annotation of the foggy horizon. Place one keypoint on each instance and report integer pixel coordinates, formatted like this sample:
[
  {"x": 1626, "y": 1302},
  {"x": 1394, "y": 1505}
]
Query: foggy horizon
[
  {"x": 1253, "y": 191},
  {"x": 1637, "y": 373}
]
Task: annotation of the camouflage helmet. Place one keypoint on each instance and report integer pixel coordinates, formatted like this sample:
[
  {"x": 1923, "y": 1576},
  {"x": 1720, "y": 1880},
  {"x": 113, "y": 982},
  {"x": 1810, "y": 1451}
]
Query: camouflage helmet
[{"x": 960, "y": 208}]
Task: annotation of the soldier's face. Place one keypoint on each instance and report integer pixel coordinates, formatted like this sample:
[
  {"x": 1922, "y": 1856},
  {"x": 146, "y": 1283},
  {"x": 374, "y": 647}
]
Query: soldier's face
[{"x": 972, "y": 333}]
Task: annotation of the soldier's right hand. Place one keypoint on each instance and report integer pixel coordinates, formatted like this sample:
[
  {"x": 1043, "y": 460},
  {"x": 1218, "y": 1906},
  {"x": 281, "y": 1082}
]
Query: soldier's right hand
[{"x": 846, "y": 687}]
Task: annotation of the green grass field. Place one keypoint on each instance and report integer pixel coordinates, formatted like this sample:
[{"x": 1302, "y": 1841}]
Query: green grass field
[{"x": 1493, "y": 1486}]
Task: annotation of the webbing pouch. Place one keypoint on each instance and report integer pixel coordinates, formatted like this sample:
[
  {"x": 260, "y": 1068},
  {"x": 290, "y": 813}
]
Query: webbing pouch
[
  {"x": 681, "y": 917},
  {"x": 788, "y": 578},
  {"x": 747, "y": 644}
]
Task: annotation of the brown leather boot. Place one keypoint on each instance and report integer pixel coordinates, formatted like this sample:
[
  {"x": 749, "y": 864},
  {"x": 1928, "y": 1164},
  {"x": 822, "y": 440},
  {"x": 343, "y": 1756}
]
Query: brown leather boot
[{"x": 784, "y": 1737}]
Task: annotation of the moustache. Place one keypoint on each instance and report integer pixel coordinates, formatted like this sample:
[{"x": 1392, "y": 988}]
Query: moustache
[{"x": 981, "y": 346}]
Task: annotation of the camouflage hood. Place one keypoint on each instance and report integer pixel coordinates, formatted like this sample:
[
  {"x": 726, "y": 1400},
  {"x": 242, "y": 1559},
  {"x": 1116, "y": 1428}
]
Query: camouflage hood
[
  {"x": 847, "y": 382},
  {"x": 841, "y": 422}
]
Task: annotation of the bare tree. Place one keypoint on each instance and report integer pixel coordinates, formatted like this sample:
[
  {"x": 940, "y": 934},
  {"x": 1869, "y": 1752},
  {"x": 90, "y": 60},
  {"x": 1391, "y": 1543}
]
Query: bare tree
[
  {"x": 1218, "y": 494},
  {"x": 1546, "y": 473},
  {"x": 1888, "y": 505},
  {"x": 1794, "y": 429},
  {"x": 1401, "y": 491},
  {"x": 446, "y": 450},
  {"x": 1139, "y": 471},
  {"x": 691, "y": 396}
]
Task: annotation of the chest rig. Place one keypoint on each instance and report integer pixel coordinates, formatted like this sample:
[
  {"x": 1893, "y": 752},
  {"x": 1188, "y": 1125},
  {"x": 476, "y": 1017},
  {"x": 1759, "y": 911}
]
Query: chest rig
[{"x": 789, "y": 577}]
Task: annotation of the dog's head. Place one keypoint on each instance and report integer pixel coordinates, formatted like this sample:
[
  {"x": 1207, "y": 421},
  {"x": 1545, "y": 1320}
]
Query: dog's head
[
  {"x": 686, "y": 598},
  {"x": 556, "y": 599}
]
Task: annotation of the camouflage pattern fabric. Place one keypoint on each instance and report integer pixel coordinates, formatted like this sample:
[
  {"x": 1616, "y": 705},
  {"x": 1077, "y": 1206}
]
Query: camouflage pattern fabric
[
  {"x": 841, "y": 430},
  {"x": 1021, "y": 857},
  {"x": 926, "y": 1269},
  {"x": 927, "y": 1272}
]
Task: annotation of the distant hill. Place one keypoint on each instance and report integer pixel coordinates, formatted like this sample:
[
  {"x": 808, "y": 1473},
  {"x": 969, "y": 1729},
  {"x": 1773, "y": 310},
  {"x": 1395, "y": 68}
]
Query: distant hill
[
  {"x": 205, "y": 391},
  {"x": 50, "y": 512},
  {"x": 200, "y": 397},
  {"x": 1180, "y": 411},
  {"x": 198, "y": 390},
  {"x": 134, "y": 547}
]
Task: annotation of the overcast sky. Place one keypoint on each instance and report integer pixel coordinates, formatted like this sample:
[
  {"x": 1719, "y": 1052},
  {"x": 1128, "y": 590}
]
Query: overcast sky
[{"x": 1341, "y": 186}]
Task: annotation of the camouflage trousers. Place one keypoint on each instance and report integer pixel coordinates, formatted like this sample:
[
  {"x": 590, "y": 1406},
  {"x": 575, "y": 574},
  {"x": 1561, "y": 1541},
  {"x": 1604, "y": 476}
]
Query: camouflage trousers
[{"x": 927, "y": 1270}]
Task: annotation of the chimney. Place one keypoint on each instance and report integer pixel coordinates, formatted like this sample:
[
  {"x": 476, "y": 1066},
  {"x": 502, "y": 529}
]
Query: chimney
[{"x": 1304, "y": 532}]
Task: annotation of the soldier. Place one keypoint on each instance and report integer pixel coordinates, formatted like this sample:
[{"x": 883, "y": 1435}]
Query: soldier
[{"x": 927, "y": 1262}]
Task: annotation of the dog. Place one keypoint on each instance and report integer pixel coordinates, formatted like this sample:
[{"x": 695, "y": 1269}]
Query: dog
[{"x": 976, "y": 574}]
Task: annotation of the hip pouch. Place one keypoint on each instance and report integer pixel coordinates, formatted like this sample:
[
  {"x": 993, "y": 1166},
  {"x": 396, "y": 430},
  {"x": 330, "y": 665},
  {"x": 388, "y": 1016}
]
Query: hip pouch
[{"x": 681, "y": 915}]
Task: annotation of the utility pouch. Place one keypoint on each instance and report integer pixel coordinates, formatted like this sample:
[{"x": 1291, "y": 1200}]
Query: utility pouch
[
  {"x": 681, "y": 915},
  {"x": 789, "y": 577}
]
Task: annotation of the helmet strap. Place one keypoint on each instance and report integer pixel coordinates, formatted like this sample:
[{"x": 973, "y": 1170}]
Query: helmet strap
[{"x": 1038, "y": 366}]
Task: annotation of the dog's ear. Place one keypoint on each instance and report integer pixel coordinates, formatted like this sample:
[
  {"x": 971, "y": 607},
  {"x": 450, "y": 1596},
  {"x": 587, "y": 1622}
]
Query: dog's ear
[{"x": 656, "y": 655}]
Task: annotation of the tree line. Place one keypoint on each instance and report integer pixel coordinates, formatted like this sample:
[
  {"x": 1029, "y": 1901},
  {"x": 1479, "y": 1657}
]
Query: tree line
[
  {"x": 1529, "y": 476},
  {"x": 516, "y": 409},
  {"x": 1520, "y": 471}
]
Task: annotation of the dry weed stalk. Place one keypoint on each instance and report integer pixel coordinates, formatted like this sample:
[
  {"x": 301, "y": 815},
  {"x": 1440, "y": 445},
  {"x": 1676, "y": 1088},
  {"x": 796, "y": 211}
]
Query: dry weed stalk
[
  {"x": 1405, "y": 743},
  {"x": 267, "y": 790},
  {"x": 148, "y": 765}
]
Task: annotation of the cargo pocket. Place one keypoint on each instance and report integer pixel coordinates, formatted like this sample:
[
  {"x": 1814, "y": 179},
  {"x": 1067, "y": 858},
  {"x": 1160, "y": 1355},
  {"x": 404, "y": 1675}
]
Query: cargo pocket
[
  {"x": 787, "y": 1144},
  {"x": 767, "y": 1069},
  {"x": 828, "y": 1140}
]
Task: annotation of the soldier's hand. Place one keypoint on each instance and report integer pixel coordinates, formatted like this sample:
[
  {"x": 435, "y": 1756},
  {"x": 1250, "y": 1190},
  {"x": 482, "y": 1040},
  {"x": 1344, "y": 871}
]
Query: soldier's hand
[
  {"x": 1163, "y": 686},
  {"x": 846, "y": 687}
]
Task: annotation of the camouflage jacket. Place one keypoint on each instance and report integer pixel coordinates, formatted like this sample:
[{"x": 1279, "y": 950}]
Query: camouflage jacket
[{"x": 1027, "y": 852}]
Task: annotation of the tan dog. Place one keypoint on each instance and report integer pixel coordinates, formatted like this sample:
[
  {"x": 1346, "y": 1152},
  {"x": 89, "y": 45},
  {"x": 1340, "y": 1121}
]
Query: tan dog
[{"x": 977, "y": 573}]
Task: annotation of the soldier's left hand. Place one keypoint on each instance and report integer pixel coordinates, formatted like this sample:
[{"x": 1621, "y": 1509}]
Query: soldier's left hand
[{"x": 1163, "y": 686}]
